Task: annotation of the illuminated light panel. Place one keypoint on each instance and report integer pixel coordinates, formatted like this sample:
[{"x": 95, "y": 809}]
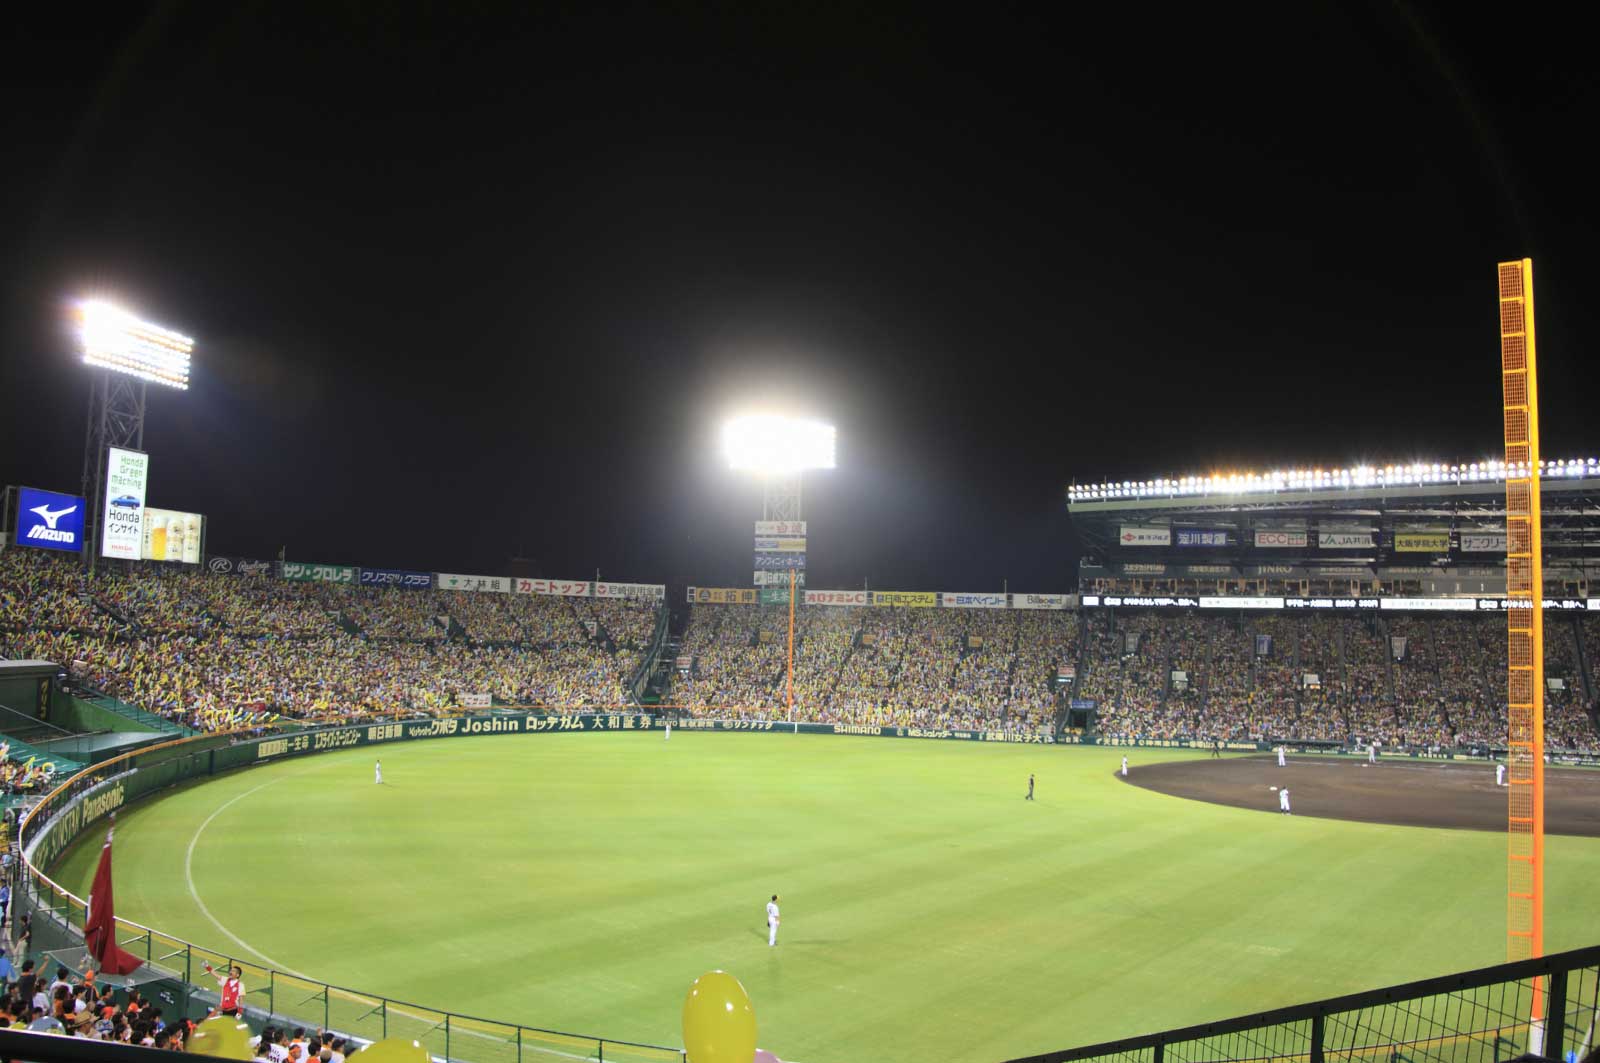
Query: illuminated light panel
[
  {"x": 1358, "y": 477},
  {"x": 767, "y": 443},
  {"x": 116, "y": 340}
]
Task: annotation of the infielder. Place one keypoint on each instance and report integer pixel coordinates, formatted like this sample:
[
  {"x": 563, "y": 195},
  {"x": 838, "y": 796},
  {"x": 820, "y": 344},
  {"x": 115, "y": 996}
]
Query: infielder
[
  {"x": 378, "y": 773},
  {"x": 772, "y": 921},
  {"x": 1124, "y": 766},
  {"x": 1283, "y": 801},
  {"x": 1281, "y": 762},
  {"x": 1499, "y": 774}
]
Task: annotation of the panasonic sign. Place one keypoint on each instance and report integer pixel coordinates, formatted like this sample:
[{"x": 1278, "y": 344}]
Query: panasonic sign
[{"x": 49, "y": 520}]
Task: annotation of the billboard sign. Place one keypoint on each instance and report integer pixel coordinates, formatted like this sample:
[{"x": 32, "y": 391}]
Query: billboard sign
[
  {"x": 396, "y": 577},
  {"x": 722, "y": 596},
  {"x": 1201, "y": 537},
  {"x": 1422, "y": 542},
  {"x": 122, "y": 523},
  {"x": 652, "y": 591},
  {"x": 777, "y": 579},
  {"x": 779, "y": 562},
  {"x": 1136, "y": 536},
  {"x": 49, "y": 520},
  {"x": 1481, "y": 543},
  {"x": 766, "y": 528},
  {"x": 168, "y": 535},
  {"x": 1337, "y": 540},
  {"x": 560, "y": 588},
  {"x": 454, "y": 581},
  {"x": 310, "y": 572},
  {"x": 237, "y": 566},
  {"x": 1038, "y": 601},
  {"x": 838, "y": 597},
  {"x": 906, "y": 599},
  {"x": 782, "y": 546},
  {"x": 1279, "y": 540},
  {"x": 774, "y": 596}
]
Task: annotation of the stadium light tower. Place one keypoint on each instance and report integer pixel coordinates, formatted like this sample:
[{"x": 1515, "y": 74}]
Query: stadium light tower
[
  {"x": 780, "y": 450},
  {"x": 127, "y": 355}
]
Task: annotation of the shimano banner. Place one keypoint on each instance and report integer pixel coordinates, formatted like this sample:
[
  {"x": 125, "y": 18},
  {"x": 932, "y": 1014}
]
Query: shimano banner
[
  {"x": 396, "y": 577},
  {"x": 238, "y": 566},
  {"x": 49, "y": 520}
]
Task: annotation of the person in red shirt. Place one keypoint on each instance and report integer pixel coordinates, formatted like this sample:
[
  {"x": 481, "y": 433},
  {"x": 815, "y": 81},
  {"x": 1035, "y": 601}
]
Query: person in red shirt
[{"x": 232, "y": 988}]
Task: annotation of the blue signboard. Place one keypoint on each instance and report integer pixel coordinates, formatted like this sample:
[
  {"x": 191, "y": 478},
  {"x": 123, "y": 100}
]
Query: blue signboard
[
  {"x": 49, "y": 520},
  {"x": 780, "y": 562},
  {"x": 396, "y": 577}
]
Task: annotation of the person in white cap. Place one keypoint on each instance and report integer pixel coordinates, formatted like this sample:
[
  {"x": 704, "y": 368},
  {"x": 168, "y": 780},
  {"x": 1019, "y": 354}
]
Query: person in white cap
[
  {"x": 1124, "y": 766},
  {"x": 772, "y": 921},
  {"x": 1281, "y": 762},
  {"x": 1283, "y": 801},
  {"x": 378, "y": 773},
  {"x": 1499, "y": 774}
]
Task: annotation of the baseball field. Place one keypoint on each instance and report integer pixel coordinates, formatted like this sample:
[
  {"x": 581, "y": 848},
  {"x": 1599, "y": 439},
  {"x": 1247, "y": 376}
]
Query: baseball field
[{"x": 581, "y": 882}]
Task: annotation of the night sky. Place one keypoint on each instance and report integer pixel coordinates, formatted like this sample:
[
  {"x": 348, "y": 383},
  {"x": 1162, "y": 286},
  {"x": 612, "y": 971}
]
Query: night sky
[{"x": 470, "y": 283}]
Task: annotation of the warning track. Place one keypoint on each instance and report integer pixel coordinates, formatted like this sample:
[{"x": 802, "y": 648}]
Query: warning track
[{"x": 1412, "y": 793}]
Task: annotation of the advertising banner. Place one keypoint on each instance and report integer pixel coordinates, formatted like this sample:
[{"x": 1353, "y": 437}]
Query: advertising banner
[
  {"x": 1422, "y": 542},
  {"x": 475, "y": 701},
  {"x": 1201, "y": 537},
  {"x": 49, "y": 520},
  {"x": 1241, "y": 603},
  {"x": 776, "y": 579},
  {"x": 1140, "y": 568},
  {"x": 780, "y": 527},
  {"x": 906, "y": 599},
  {"x": 774, "y": 596},
  {"x": 168, "y": 535},
  {"x": 1337, "y": 540},
  {"x": 972, "y": 600},
  {"x": 1483, "y": 543},
  {"x": 122, "y": 529},
  {"x": 782, "y": 546},
  {"x": 453, "y": 581},
  {"x": 1446, "y": 605},
  {"x": 310, "y": 572},
  {"x": 396, "y": 577},
  {"x": 1038, "y": 601},
  {"x": 838, "y": 597},
  {"x": 779, "y": 562},
  {"x": 652, "y": 591},
  {"x": 1279, "y": 540},
  {"x": 237, "y": 566},
  {"x": 722, "y": 595},
  {"x": 1136, "y": 536},
  {"x": 561, "y": 588}
]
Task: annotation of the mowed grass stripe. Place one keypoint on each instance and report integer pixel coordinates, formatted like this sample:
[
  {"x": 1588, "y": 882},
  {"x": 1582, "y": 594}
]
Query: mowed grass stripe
[{"x": 582, "y": 881}]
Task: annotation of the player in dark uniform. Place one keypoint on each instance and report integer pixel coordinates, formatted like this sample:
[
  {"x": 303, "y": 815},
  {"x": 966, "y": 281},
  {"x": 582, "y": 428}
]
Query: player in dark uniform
[{"x": 1030, "y": 787}]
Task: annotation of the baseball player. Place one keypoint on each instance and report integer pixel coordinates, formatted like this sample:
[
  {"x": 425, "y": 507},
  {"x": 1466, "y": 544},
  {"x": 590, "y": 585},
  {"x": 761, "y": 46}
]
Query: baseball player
[
  {"x": 1030, "y": 787},
  {"x": 377, "y": 771},
  {"x": 1283, "y": 801},
  {"x": 772, "y": 921},
  {"x": 1372, "y": 753},
  {"x": 1499, "y": 774},
  {"x": 1281, "y": 762},
  {"x": 1124, "y": 765}
]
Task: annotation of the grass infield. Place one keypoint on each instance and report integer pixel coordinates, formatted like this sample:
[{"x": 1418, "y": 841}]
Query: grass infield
[{"x": 582, "y": 881}]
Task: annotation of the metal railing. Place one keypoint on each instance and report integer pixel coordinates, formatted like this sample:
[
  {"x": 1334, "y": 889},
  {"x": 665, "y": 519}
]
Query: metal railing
[
  {"x": 55, "y": 918},
  {"x": 1545, "y": 1006}
]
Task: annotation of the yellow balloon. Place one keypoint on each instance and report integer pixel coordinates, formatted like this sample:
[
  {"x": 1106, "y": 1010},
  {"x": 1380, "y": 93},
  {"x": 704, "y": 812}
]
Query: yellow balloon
[
  {"x": 222, "y": 1036},
  {"x": 719, "y": 1024}
]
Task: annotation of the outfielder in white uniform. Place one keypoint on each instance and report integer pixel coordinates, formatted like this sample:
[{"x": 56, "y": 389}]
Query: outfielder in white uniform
[
  {"x": 378, "y": 773},
  {"x": 669, "y": 732},
  {"x": 772, "y": 921},
  {"x": 1283, "y": 801},
  {"x": 1281, "y": 762},
  {"x": 1499, "y": 774},
  {"x": 1124, "y": 767},
  {"x": 1372, "y": 753}
]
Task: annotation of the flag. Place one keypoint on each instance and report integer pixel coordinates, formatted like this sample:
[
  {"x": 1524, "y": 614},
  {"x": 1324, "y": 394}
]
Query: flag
[{"x": 100, "y": 921}]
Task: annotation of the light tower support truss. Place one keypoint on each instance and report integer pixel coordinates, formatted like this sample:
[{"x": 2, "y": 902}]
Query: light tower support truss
[
  {"x": 116, "y": 419},
  {"x": 1524, "y": 626}
]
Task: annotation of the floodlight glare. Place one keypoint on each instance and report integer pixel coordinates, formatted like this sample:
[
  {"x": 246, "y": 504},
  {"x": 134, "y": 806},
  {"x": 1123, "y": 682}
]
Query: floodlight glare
[
  {"x": 116, "y": 340},
  {"x": 777, "y": 445}
]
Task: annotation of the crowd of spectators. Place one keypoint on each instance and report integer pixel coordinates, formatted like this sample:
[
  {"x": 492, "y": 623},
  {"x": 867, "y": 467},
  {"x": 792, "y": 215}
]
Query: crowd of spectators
[{"x": 217, "y": 652}]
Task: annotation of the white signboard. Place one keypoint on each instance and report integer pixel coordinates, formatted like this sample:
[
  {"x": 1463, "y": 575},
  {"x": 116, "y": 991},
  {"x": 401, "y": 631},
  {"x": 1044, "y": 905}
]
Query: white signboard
[
  {"x": 127, "y": 477},
  {"x": 453, "y": 581},
  {"x": 971, "y": 600},
  {"x": 171, "y": 536},
  {"x": 1038, "y": 601},
  {"x": 476, "y": 701},
  {"x": 766, "y": 528},
  {"x": 777, "y": 579},
  {"x": 782, "y": 546},
  {"x": 562, "y": 588},
  {"x": 1481, "y": 543},
  {"x": 836, "y": 597},
  {"x": 1241, "y": 603},
  {"x": 1135, "y": 536},
  {"x": 1280, "y": 540},
  {"x": 1337, "y": 540},
  {"x": 655, "y": 591}
]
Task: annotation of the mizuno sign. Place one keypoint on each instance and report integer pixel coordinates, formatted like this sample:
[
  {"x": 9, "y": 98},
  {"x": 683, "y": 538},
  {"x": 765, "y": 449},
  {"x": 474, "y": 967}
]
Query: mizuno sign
[{"x": 49, "y": 520}]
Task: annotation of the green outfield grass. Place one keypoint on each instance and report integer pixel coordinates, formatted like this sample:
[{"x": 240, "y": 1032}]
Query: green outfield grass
[{"x": 582, "y": 881}]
